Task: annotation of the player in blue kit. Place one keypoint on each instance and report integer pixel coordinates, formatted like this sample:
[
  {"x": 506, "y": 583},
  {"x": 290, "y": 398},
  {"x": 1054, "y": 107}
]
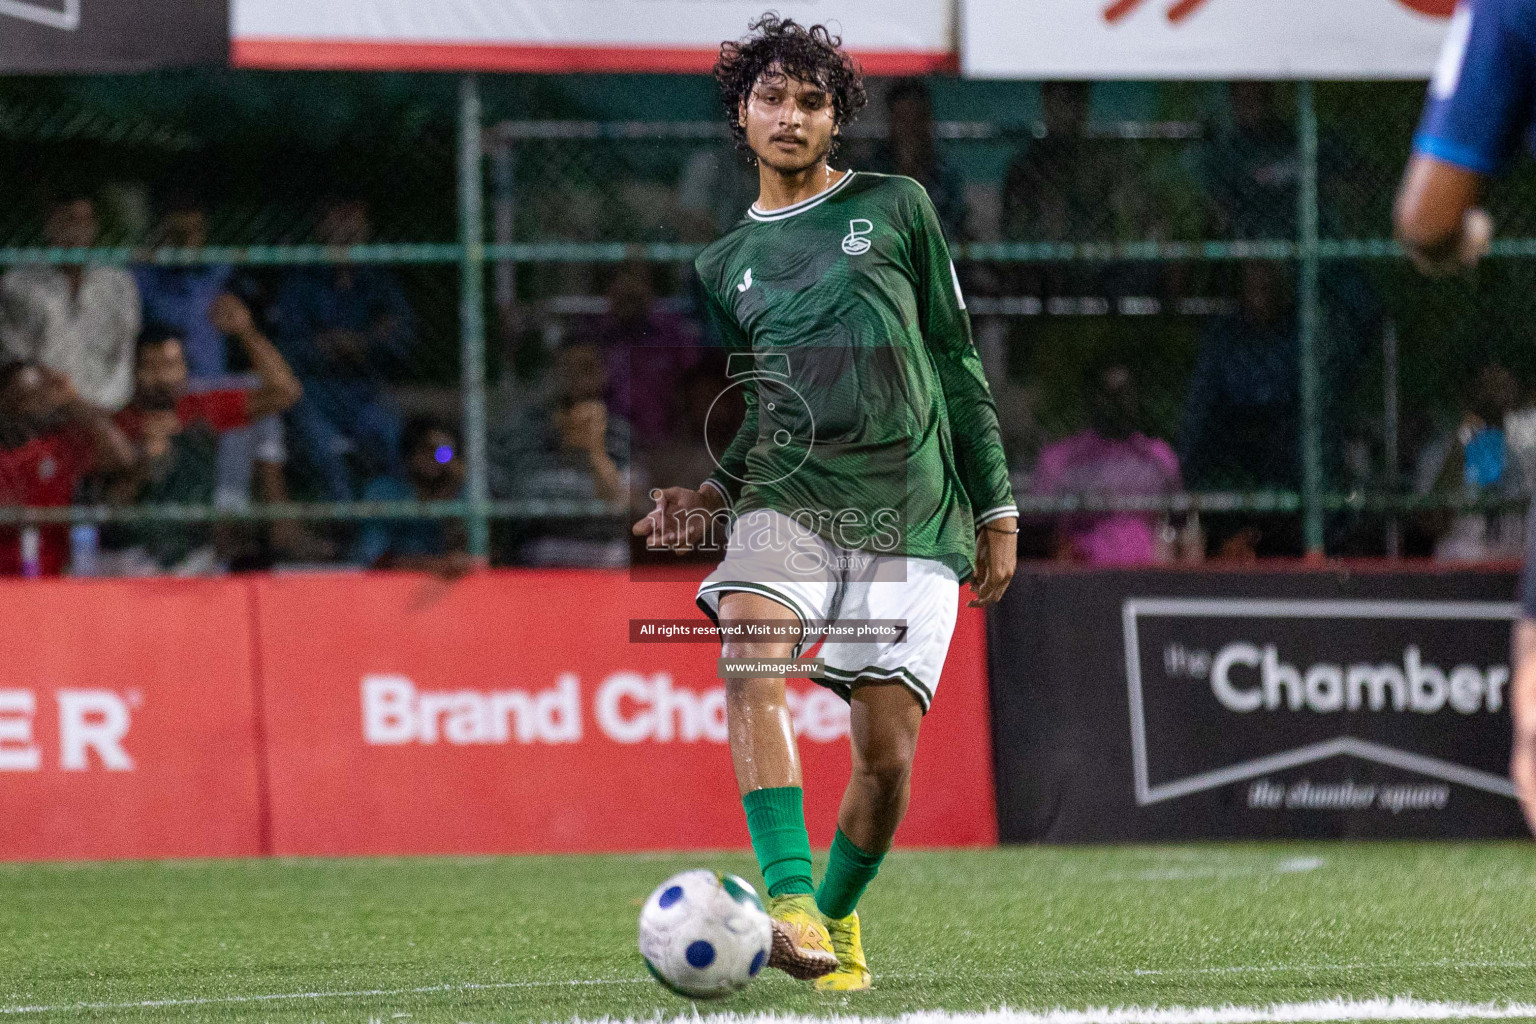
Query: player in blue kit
[{"x": 1481, "y": 108}]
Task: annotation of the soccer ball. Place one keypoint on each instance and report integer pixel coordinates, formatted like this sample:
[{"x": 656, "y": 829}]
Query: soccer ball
[{"x": 704, "y": 934}]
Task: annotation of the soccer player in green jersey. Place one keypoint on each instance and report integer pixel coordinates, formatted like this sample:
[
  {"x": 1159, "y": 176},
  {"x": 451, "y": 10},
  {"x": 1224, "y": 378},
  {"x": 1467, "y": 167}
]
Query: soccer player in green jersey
[{"x": 866, "y": 483}]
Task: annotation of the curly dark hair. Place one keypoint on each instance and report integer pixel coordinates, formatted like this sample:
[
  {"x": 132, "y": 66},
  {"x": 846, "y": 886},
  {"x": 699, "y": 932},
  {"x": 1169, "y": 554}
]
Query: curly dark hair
[{"x": 809, "y": 54}]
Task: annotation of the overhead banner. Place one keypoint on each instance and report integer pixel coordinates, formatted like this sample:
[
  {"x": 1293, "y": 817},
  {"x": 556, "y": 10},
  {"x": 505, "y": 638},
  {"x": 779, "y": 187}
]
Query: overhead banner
[
  {"x": 513, "y": 713},
  {"x": 1183, "y": 39},
  {"x": 101, "y": 36},
  {"x": 888, "y": 36},
  {"x": 1181, "y": 705}
]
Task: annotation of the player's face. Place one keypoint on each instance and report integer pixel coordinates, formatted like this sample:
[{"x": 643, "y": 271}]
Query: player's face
[{"x": 790, "y": 124}]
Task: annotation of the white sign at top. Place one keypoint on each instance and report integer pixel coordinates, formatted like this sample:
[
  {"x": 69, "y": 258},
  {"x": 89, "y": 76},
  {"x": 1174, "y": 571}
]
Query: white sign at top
[
  {"x": 888, "y": 36},
  {"x": 64, "y": 15},
  {"x": 1202, "y": 38}
]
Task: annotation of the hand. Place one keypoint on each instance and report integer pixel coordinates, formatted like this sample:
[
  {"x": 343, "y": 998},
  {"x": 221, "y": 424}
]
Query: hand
[
  {"x": 681, "y": 518},
  {"x": 159, "y": 430},
  {"x": 1472, "y": 243},
  {"x": 584, "y": 426},
  {"x": 231, "y": 316},
  {"x": 997, "y": 556},
  {"x": 1522, "y": 772}
]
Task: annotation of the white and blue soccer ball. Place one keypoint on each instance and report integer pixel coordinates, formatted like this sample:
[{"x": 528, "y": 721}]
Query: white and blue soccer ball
[{"x": 704, "y": 934}]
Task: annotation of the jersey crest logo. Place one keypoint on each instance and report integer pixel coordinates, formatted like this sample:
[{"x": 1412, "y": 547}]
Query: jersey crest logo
[
  {"x": 746, "y": 281},
  {"x": 856, "y": 241}
]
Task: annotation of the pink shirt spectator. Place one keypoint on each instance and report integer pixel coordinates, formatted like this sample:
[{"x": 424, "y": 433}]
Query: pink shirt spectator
[{"x": 1087, "y": 463}]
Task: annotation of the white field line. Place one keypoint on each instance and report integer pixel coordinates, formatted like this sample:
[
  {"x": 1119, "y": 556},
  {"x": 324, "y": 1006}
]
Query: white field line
[
  {"x": 360, "y": 993},
  {"x": 1395, "y": 1009},
  {"x": 493, "y": 986},
  {"x": 1289, "y": 866}
]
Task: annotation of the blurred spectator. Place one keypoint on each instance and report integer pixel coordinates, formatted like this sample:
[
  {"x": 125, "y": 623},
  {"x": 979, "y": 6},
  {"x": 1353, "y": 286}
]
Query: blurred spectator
[
  {"x": 1018, "y": 407},
  {"x": 909, "y": 150},
  {"x": 1240, "y": 423},
  {"x": 713, "y": 193},
  {"x": 1110, "y": 459},
  {"x": 1471, "y": 460},
  {"x": 434, "y": 471},
  {"x": 572, "y": 447},
  {"x": 341, "y": 327},
  {"x": 176, "y": 431},
  {"x": 49, "y": 439},
  {"x": 1060, "y": 187},
  {"x": 181, "y": 298},
  {"x": 646, "y": 351},
  {"x": 709, "y": 413},
  {"x": 1252, "y": 166},
  {"x": 78, "y": 319},
  {"x": 1241, "y": 429},
  {"x": 187, "y": 301}
]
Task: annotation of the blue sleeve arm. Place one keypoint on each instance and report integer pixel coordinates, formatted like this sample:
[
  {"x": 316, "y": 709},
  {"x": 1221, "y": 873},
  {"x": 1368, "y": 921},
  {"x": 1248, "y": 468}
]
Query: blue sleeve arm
[{"x": 1479, "y": 101}]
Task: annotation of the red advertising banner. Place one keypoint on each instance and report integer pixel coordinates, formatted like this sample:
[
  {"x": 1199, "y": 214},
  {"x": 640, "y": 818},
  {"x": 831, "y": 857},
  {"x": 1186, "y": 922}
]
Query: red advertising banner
[
  {"x": 510, "y": 713},
  {"x": 127, "y": 726}
]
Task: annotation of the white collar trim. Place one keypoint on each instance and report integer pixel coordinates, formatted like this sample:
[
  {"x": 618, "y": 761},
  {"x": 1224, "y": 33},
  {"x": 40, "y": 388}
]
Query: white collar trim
[{"x": 805, "y": 204}]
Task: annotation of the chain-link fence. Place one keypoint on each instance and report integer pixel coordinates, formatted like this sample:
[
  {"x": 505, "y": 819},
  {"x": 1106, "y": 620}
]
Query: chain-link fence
[{"x": 458, "y": 331}]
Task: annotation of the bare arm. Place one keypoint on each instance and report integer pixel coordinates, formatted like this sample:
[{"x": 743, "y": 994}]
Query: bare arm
[
  {"x": 279, "y": 389},
  {"x": 1437, "y": 218},
  {"x": 111, "y": 451},
  {"x": 1522, "y": 699}
]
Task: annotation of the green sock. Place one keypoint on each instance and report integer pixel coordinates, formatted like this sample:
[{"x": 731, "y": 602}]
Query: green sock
[
  {"x": 776, "y": 822},
  {"x": 849, "y": 870}
]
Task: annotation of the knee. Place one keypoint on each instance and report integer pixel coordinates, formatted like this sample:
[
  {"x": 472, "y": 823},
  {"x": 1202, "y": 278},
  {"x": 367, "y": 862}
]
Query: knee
[{"x": 888, "y": 772}]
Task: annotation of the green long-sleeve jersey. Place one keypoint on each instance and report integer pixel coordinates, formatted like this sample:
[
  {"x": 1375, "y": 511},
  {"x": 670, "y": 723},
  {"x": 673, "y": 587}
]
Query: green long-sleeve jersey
[{"x": 868, "y": 416}]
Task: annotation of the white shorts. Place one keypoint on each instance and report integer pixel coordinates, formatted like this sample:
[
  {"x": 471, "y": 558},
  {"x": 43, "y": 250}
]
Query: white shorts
[{"x": 822, "y": 583}]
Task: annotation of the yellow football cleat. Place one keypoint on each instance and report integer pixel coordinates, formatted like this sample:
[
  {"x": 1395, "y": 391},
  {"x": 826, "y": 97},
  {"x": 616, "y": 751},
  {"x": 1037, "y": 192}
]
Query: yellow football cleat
[
  {"x": 852, "y": 974},
  {"x": 801, "y": 946}
]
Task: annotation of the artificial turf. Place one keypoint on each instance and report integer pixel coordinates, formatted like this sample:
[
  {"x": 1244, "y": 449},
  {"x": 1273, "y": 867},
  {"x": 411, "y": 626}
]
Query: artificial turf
[{"x": 553, "y": 938}]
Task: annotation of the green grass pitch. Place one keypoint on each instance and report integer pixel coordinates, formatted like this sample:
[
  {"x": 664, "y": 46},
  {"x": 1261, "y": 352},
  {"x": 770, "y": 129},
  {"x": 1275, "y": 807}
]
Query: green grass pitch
[{"x": 553, "y": 938}]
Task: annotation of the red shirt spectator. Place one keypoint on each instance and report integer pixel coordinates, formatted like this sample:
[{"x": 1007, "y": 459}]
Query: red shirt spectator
[
  {"x": 42, "y": 473},
  {"x": 49, "y": 439}
]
